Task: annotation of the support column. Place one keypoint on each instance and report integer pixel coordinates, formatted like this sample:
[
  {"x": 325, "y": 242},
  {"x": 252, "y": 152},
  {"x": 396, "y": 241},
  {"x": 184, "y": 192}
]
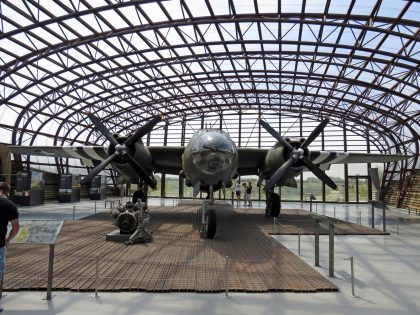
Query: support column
[
  {"x": 346, "y": 168},
  {"x": 301, "y": 174},
  {"x": 369, "y": 165}
]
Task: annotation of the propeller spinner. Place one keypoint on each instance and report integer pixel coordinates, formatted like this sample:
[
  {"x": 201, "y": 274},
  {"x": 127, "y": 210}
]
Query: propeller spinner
[
  {"x": 122, "y": 150},
  {"x": 296, "y": 154}
]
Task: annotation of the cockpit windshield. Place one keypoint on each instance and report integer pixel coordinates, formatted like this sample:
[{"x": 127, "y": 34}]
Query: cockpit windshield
[{"x": 213, "y": 151}]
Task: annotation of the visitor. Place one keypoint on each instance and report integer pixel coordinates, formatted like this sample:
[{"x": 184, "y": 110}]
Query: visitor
[
  {"x": 8, "y": 213},
  {"x": 238, "y": 193},
  {"x": 248, "y": 193}
]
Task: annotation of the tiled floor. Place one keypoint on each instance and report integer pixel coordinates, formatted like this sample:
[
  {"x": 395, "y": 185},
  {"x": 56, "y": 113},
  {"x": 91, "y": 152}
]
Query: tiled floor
[{"x": 387, "y": 273}]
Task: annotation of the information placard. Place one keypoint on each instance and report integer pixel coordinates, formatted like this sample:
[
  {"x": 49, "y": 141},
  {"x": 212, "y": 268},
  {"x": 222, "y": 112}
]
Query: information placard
[{"x": 37, "y": 232}]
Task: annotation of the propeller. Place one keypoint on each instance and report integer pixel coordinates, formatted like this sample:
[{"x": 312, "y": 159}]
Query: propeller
[
  {"x": 122, "y": 150},
  {"x": 297, "y": 154}
]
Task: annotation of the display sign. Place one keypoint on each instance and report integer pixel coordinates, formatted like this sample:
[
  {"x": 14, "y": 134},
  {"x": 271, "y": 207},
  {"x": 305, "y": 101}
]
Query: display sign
[{"x": 37, "y": 232}]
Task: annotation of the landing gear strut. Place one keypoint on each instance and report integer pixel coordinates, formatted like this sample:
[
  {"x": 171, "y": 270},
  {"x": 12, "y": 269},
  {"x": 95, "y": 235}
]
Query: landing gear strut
[
  {"x": 273, "y": 205},
  {"x": 208, "y": 217}
]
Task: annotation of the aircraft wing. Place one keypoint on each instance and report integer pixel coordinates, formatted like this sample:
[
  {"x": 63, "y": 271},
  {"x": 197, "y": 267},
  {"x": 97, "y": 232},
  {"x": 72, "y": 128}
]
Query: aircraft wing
[
  {"x": 166, "y": 159},
  {"x": 96, "y": 153},
  {"x": 324, "y": 158},
  {"x": 250, "y": 160}
]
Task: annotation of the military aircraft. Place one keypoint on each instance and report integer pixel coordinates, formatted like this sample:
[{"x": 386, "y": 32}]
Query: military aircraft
[{"x": 210, "y": 162}]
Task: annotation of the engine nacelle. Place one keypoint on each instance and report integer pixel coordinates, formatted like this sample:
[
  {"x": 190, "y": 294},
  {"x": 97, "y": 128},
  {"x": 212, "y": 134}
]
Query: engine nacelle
[{"x": 140, "y": 153}]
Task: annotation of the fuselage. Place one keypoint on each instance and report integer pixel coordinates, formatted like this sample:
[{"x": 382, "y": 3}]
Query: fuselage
[{"x": 210, "y": 158}]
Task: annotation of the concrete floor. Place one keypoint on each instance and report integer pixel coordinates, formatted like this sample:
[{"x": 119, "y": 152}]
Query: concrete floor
[{"x": 387, "y": 274}]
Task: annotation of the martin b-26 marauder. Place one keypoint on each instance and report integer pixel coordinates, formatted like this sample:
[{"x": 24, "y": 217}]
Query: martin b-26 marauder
[{"x": 210, "y": 162}]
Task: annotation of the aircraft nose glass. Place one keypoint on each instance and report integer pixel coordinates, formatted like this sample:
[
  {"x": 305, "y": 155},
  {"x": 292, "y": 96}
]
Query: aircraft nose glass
[{"x": 210, "y": 162}]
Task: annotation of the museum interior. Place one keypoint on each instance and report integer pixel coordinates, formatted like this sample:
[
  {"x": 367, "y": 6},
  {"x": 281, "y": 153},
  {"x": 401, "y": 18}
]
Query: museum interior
[{"x": 313, "y": 106}]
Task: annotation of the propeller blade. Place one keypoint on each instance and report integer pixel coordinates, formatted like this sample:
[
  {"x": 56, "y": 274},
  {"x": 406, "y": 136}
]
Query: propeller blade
[
  {"x": 98, "y": 169},
  {"x": 149, "y": 180},
  {"x": 319, "y": 173},
  {"x": 102, "y": 129},
  {"x": 279, "y": 174},
  {"x": 143, "y": 130},
  {"x": 315, "y": 133},
  {"x": 275, "y": 134},
  {"x": 196, "y": 189}
]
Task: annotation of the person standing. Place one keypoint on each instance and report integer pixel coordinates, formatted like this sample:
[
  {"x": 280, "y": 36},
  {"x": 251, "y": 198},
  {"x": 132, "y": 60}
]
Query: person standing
[
  {"x": 244, "y": 188},
  {"x": 8, "y": 213},
  {"x": 238, "y": 193},
  {"x": 248, "y": 193}
]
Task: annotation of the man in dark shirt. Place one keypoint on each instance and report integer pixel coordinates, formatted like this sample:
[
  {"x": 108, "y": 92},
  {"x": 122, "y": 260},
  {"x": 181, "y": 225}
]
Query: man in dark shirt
[{"x": 8, "y": 213}]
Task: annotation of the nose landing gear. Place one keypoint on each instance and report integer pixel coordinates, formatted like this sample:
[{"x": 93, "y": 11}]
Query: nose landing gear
[{"x": 208, "y": 217}]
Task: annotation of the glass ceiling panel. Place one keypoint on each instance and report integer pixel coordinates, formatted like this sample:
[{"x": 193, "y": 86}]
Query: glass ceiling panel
[{"x": 95, "y": 58}]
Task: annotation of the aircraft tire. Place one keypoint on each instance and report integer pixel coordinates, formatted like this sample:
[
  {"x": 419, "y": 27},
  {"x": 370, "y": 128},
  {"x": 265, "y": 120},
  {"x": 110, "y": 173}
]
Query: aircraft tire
[
  {"x": 211, "y": 224},
  {"x": 273, "y": 205}
]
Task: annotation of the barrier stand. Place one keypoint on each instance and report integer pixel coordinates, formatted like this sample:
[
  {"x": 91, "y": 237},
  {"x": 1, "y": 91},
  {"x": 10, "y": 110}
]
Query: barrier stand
[
  {"x": 96, "y": 294},
  {"x": 74, "y": 211},
  {"x": 316, "y": 228},
  {"x": 352, "y": 275},
  {"x": 299, "y": 243},
  {"x": 383, "y": 217},
  {"x": 334, "y": 212},
  {"x": 331, "y": 250},
  {"x": 360, "y": 217},
  {"x": 50, "y": 272},
  {"x": 95, "y": 207},
  {"x": 328, "y": 223},
  {"x": 227, "y": 277},
  {"x": 373, "y": 215}
]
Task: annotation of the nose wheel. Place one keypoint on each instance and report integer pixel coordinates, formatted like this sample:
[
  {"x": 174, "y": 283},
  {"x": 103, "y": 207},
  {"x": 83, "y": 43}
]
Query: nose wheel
[{"x": 208, "y": 221}]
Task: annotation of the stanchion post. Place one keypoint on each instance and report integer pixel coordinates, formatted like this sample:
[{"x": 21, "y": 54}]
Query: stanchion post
[
  {"x": 334, "y": 212},
  {"x": 50, "y": 271},
  {"x": 74, "y": 212},
  {"x": 227, "y": 277},
  {"x": 316, "y": 227},
  {"x": 384, "y": 217},
  {"x": 299, "y": 243},
  {"x": 331, "y": 250},
  {"x": 96, "y": 295},
  {"x": 360, "y": 217},
  {"x": 352, "y": 276},
  {"x": 95, "y": 207},
  {"x": 373, "y": 215}
]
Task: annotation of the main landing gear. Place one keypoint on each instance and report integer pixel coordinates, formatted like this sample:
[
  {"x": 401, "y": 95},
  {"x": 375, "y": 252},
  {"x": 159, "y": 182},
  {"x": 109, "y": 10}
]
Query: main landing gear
[
  {"x": 273, "y": 205},
  {"x": 208, "y": 217}
]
